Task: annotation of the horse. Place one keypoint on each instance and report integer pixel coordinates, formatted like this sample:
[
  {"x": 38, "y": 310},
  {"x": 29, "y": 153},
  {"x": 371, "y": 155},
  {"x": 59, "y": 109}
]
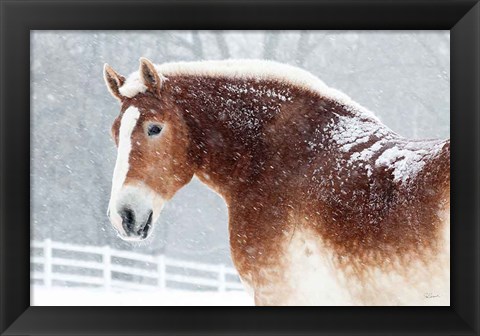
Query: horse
[{"x": 326, "y": 205}]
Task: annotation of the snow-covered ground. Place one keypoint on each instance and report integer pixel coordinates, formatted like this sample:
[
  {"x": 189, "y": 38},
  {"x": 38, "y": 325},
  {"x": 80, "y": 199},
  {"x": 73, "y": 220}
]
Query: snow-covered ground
[{"x": 82, "y": 296}]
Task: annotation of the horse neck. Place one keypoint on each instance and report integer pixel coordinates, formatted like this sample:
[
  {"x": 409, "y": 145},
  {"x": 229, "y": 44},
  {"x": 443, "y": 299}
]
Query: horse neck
[
  {"x": 224, "y": 127},
  {"x": 244, "y": 132}
]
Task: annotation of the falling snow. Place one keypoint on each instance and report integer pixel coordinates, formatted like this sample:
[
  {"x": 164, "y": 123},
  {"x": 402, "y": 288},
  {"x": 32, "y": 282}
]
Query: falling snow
[{"x": 402, "y": 77}]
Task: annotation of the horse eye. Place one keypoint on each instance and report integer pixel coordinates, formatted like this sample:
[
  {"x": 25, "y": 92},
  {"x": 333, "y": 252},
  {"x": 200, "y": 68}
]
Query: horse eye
[{"x": 154, "y": 130}]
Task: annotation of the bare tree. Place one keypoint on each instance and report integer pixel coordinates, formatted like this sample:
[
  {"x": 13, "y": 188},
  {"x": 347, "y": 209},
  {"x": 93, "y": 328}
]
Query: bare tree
[
  {"x": 195, "y": 46},
  {"x": 305, "y": 47},
  {"x": 270, "y": 45},
  {"x": 222, "y": 44}
]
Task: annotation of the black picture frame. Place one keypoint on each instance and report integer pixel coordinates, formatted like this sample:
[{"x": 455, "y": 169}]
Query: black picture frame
[{"x": 18, "y": 17}]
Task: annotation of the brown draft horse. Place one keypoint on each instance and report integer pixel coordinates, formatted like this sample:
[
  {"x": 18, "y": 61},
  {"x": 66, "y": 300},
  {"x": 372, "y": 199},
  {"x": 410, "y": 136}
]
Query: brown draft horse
[{"x": 327, "y": 206}]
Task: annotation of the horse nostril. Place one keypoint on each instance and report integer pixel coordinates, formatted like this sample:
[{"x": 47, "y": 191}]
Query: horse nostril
[
  {"x": 128, "y": 219},
  {"x": 148, "y": 225},
  {"x": 149, "y": 220}
]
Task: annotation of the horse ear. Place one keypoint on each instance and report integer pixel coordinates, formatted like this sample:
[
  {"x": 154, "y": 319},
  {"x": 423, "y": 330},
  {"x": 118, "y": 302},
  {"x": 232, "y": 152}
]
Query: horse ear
[
  {"x": 150, "y": 77},
  {"x": 113, "y": 80}
]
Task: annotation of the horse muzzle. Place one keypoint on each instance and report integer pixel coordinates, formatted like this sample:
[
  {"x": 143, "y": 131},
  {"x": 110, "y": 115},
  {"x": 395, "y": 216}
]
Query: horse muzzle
[{"x": 133, "y": 211}]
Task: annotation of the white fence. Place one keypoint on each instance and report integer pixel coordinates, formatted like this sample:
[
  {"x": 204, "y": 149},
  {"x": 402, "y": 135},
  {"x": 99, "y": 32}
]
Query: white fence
[{"x": 55, "y": 263}]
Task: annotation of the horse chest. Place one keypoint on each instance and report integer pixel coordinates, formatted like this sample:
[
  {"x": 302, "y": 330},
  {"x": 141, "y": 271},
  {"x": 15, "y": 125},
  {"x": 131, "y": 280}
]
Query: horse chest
[
  {"x": 300, "y": 273},
  {"x": 310, "y": 276}
]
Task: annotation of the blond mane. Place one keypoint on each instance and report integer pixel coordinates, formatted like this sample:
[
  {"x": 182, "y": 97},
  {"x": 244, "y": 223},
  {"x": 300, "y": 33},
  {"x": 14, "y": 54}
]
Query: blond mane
[{"x": 246, "y": 69}]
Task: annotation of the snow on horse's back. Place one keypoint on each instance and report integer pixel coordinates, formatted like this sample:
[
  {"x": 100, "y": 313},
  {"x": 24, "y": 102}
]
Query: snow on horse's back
[{"x": 326, "y": 204}]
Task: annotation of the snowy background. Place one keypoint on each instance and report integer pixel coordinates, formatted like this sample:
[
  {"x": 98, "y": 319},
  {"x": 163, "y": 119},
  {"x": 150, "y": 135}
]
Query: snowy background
[{"x": 404, "y": 77}]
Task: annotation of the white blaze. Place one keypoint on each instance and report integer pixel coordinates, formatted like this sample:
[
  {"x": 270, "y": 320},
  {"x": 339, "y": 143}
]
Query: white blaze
[{"x": 127, "y": 124}]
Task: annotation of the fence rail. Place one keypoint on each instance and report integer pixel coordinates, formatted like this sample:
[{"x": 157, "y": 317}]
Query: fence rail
[{"x": 100, "y": 266}]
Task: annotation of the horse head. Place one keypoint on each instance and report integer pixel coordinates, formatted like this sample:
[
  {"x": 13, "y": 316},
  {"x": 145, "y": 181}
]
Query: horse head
[{"x": 152, "y": 159}]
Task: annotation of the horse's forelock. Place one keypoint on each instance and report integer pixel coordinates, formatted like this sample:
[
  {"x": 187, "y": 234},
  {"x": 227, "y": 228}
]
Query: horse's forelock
[{"x": 132, "y": 86}]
